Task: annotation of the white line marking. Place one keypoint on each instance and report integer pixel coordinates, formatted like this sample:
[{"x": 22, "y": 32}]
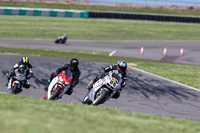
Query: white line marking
[
  {"x": 112, "y": 53},
  {"x": 165, "y": 78},
  {"x": 3, "y": 92}
]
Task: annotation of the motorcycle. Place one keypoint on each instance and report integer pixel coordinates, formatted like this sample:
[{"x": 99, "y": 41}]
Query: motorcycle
[
  {"x": 103, "y": 89},
  {"x": 59, "y": 85},
  {"x": 17, "y": 81},
  {"x": 61, "y": 39}
]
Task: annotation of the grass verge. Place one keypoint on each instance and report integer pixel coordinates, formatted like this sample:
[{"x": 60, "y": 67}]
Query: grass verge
[
  {"x": 186, "y": 74},
  {"x": 32, "y": 27},
  {"x": 27, "y": 114},
  {"x": 102, "y": 8}
]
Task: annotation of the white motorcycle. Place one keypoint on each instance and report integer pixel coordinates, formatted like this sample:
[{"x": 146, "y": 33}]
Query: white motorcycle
[{"x": 103, "y": 89}]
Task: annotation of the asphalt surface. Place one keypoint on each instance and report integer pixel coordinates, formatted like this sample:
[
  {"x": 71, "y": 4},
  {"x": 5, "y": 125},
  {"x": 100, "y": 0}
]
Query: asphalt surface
[
  {"x": 144, "y": 93},
  {"x": 152, "y": 49}
]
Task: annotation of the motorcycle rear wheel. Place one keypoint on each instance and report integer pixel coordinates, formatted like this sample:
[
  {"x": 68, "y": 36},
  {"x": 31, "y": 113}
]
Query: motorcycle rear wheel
[
  {"x": 55, "y": 93},
  {"x": 63, "y": 42},
  {"x": 101, "y": 98}
]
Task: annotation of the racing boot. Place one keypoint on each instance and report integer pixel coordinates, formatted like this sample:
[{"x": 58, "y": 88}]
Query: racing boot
[
  {"x": 8, "y": 77},
  {"x": 45, "y": 95},
  {"x": 90, "y": 85},
  {"x": 7, "y": 83},
  {"x": 69, "y": 91},
  {"x": 27, "y": 84},
  {"x": 46, "y": 86}
]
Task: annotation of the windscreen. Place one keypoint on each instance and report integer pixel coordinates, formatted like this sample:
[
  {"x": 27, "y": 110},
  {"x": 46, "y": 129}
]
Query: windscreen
[
  {"x": 68, "y": 74},
  {"x": 115, "y": 77},
  {"x": 21, "y": 70}
]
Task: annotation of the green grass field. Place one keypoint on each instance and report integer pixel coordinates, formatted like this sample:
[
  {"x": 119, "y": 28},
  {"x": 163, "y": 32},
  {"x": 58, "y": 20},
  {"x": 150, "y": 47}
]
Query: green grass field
[
  {"x": 22, "y": 114},
  {"x": 102, "y": 8},
  {"x": 31, "y": 27},
  {"x": 186, "y": 74}
]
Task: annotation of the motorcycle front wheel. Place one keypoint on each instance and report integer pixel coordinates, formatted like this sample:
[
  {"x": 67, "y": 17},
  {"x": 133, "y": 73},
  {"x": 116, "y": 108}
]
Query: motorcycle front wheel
[
  {"x": 15, "y": 88},
  {"x": 55, "y": 93},
  {"x": 100, "y": 97},
  {"x": 86, "y": 100},
  {"x": 57, "y": 41}
]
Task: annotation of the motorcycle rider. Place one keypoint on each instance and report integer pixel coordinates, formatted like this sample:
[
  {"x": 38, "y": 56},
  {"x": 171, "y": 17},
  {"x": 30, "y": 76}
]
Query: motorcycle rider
[
  {"x": 61, "y": 39},
  {"x": 24, "y": 62},
  {"x": 120, "y": 69},
  {"x": 73, "y": 67}
]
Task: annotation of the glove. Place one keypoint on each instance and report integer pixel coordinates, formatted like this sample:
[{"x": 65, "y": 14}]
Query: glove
[{"x": 103, "y": 74}]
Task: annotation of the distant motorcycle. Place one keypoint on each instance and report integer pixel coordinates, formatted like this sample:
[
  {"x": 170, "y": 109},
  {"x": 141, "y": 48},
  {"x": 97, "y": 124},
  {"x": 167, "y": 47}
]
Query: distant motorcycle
[
  {"x": 17, "y": 81},
  {"x": 59, "y": 85},
  {"x": 103, "y": 89},
  {"x": 61, "y": 39}
]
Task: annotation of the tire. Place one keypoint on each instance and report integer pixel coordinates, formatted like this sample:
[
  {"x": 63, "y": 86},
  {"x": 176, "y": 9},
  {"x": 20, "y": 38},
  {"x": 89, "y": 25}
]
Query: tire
[
  {"x": 55, "y": 93},
  {"x": 63, "y": 42},
  {"x": 101, "y": 98},
  {"x": 56, "y": 41},
  {"x": 15, "y": 88},
  {"x": 86, "y": 100}
]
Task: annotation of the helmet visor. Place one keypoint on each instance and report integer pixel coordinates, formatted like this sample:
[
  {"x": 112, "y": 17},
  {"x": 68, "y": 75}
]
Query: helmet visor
[{"x": 122, "y": 69}]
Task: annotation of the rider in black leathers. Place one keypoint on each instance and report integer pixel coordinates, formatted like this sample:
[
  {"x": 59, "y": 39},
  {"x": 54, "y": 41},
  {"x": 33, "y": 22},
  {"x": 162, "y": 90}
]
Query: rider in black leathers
[
  {"x": 120, "y": 69},
  {"x": 73, "y": 67},
  {"x": 25, "y": 63}
]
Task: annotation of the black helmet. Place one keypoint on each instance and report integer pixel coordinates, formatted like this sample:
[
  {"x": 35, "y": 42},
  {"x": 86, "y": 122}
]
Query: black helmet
[
  {"x": 25, "y": 60},
  {"x": 73, "y": 64}
]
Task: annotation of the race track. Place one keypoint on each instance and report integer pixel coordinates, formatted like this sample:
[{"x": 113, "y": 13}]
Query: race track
[
  {"x": 152, "y": 49},
  {"x": 144, "y": 93}
]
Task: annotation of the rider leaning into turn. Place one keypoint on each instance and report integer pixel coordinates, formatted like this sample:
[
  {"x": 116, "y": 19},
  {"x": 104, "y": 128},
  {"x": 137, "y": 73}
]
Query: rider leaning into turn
[
  {"x": 120, "y": 69},
  {"x": 23, "y": 63},
  {"x": 73, "y": 67}
]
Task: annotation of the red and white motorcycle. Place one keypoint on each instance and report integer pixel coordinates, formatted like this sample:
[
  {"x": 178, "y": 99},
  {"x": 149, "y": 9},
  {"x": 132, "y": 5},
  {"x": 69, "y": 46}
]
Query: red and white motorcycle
[{"x": 59, "y": 85}]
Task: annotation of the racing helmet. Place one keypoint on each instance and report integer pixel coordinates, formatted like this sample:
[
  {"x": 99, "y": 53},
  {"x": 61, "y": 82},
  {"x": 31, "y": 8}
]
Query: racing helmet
[
  {"x": 121, "y": 66},
  {"x": 74, "y": 64},
  {"x": 25, "y": 60}
]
